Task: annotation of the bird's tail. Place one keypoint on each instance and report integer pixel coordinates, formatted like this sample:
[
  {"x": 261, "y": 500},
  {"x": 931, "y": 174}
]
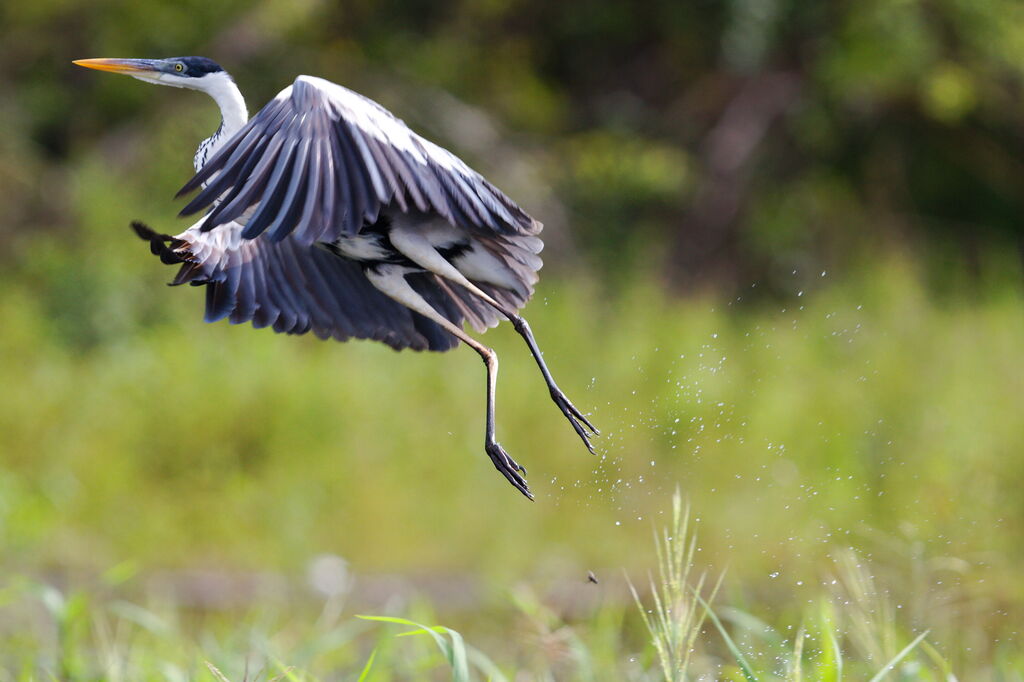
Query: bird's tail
[
  {"x": 162, "y": 245},
  {"x": 172, "y": 251}
]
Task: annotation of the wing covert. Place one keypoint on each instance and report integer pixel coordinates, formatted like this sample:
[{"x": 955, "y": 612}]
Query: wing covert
[{"x": 319, "y": 161}]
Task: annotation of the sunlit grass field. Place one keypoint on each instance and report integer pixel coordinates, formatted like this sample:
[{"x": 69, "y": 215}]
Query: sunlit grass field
[{"x": 174, "y": 493}]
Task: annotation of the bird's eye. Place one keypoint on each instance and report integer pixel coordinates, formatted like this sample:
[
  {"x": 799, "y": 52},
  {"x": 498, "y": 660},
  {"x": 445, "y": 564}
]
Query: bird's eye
[{"x": 179, "y": 67}]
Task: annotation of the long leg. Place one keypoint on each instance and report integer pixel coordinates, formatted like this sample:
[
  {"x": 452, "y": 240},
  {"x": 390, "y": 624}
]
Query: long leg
[
  {"x": 522, "y": 327},
  {"x": 419, "y": 250},
  {"x": 390, "y": 280},
  {"x": 570, "y": 411}
]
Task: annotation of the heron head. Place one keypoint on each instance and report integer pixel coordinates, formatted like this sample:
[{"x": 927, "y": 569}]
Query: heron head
[{"x": 196, "y": 73}]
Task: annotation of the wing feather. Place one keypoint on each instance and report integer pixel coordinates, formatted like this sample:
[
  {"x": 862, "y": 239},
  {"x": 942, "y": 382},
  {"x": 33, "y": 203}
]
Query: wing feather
[
  {"x": 320, "y": 160},
  {"x": 291, "y": 203},
  {"x": 273, "y": 194},
  {"x": 296, "y": 288}
]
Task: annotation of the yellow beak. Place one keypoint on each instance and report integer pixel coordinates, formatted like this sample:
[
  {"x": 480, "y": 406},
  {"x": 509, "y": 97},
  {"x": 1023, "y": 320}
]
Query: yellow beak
[{"x": 127, "y": 66}]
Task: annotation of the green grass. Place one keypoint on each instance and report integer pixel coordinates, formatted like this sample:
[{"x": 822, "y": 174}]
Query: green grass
[
  {"x": 677, "y": 617},
  {"x": 81, "y": 637},
  {"x": 851, "y": 456}
]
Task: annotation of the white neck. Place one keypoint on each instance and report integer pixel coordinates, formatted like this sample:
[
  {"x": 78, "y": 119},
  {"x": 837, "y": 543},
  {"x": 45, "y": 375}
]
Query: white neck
[
  {"x": 233, "y": 114},
  {"x": 221, "y": 87}
]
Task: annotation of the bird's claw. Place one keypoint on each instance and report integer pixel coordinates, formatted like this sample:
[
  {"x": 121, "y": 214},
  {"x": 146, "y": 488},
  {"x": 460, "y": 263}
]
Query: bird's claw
[
  {"x": 574, "y": 416},
  {"x": 508, "y": 467}
]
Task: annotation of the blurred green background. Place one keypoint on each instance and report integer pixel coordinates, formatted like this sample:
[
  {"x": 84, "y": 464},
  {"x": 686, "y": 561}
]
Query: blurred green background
[{"x": 783, "y": 273}]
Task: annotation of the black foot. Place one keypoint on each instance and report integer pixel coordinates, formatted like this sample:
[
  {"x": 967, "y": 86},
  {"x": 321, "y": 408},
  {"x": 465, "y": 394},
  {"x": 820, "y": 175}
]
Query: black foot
[
  {"x": 575, "y": 417},
  {"x": 508, "y": 468}
]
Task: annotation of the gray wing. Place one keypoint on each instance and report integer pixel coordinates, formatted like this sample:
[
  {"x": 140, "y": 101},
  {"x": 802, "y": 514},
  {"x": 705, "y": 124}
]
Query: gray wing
[
  {"x": 296, "y": 288},
  {"x": 320, "y": 160}
]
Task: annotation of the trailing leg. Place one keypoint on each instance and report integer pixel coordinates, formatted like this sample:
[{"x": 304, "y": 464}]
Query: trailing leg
[
  {"x": 390, "y": 280},
  {"x": 418, "y": 248},
  {"x": 570, "y": 411}
]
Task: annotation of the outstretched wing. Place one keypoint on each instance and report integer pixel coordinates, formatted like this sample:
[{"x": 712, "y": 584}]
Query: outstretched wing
[
  {"x": 320, "y": 160},
  {"x": 296, "y": 288}
]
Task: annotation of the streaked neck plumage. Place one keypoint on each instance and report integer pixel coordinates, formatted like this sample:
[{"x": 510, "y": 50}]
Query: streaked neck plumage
[{"x": 234, "y": 115}]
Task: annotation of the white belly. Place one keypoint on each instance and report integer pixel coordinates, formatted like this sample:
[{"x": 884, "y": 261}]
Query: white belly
[{"x": 362, "y": 247}]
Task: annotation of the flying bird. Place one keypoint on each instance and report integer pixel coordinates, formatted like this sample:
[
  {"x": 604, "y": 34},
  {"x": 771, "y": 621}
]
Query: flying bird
[{"x": 326, "y": 213}]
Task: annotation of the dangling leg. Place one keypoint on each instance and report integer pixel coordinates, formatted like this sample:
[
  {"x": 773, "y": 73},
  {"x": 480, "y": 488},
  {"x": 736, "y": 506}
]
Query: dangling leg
[
  {"x": 390, "y": 280},
  {"x": 522, "y": 327},
  {"x": 418, "y": 249},
  {"x": 564, "y": 404}
]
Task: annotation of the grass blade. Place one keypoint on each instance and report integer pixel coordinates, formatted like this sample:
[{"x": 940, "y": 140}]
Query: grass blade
[
  {"x": 287, "y": 672},
  {"x": 748, "y": 672},
  {"x": 454, "y": 652},
  {"x": 369, "y": 665},
  {"x": 217, "y": 674},
  {"x": 831, "y": 653},
  {"x": 486, "y": 666},
  {"x": 438, "y": 639},
  {"x": 838, "y": 653},
  {"x": 674, "y": 622},
  {"x": 888, "y": 667},
  {"x": 942, "y": 663},
  {"x": 460, "y": 664},
  {"x": 798, "y": 656}
]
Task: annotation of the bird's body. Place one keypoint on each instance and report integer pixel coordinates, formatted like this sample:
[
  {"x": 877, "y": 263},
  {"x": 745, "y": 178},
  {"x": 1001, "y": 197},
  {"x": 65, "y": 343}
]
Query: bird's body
[{"x": 327, "y": 214}]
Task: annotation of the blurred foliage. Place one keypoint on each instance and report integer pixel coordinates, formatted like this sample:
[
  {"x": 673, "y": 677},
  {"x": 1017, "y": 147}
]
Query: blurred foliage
[
  {"x": 837, "y": 187},
  {"x": 658, "y": 128},
  {"x": 850, "y": 628}
]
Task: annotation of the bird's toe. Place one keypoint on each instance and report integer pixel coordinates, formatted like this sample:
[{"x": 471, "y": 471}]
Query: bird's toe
[
  {"x": 509, "y": 468},
  {"x": 575, "y": 417}
]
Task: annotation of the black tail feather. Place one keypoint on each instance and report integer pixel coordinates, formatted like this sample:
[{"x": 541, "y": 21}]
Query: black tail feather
[
  {"x": 162, "y": 245},
  {"x": 172, "y": 251}
]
